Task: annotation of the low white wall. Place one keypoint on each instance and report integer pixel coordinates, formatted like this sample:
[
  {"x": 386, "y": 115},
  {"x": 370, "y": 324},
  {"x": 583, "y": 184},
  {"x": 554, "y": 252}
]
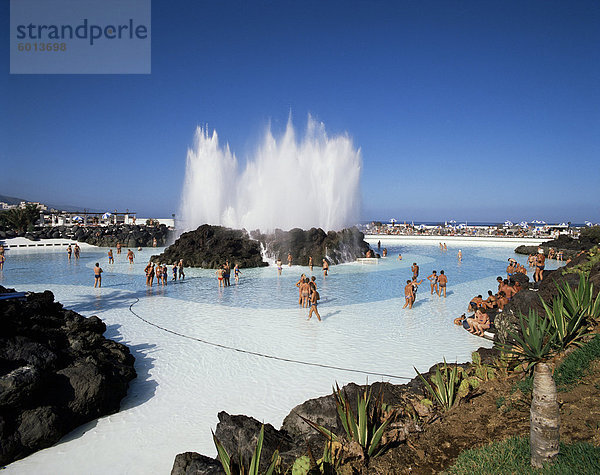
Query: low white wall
[{"x": 475, "y": 240}]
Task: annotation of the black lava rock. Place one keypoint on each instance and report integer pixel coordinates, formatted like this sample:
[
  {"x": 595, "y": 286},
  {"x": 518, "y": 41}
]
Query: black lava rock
[
  {"x": 210, "y": 246},
  {"x": 57, "y": 372}
]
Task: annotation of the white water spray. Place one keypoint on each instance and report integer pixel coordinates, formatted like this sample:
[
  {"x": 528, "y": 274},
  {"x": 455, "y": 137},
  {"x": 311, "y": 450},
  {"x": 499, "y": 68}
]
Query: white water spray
[{"x": 286, "y": 184}]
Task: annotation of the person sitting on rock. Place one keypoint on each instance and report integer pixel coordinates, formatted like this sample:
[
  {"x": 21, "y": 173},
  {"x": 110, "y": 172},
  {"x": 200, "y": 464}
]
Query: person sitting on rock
[
  {"x": 517, "y": 287},
  {"x": 509, "y": 289},
  {"x": 479, "y": 323},
  {"x": 477, "y": 301},
  {"x": 502, "y": 300},
  {"x": 491, "y": 301}
]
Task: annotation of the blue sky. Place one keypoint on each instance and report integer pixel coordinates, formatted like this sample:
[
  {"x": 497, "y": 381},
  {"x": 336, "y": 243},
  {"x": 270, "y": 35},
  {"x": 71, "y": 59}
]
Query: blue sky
[{"x": 472, "y": 110}]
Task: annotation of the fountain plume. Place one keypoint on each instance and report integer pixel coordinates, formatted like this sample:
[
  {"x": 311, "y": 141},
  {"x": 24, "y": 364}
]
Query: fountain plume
[{"x": 287, "y": 183}]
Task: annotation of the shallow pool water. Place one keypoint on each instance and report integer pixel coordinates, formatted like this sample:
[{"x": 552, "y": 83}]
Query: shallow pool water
[{"x": 187, "y": 338}]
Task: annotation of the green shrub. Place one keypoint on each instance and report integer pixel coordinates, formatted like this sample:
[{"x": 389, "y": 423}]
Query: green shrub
[
  {"x": 512, "y": 456},
  {"x": 593, "y": 257}
]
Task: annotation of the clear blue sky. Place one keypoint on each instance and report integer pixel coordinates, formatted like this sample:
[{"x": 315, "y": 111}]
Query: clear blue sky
[{"x": 479, "y": 110}]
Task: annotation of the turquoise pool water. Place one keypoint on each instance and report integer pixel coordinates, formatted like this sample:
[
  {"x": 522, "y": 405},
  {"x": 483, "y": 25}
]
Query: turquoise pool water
[{"x": 184, "y": 335}]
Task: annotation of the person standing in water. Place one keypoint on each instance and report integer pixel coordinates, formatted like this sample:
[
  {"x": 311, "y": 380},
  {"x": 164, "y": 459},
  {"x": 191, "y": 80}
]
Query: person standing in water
[
  {"x": 325, "y": 267},
  {"x": 279, "y": 266},
  {"x": 76, "y": 251},
  {"x": 149, "y": 270},
  {"x": 415, "y": 269},
  {"x": 236, "y": 273},
  {"x": 130, "y": 255},
  {"x": 310, "y": 263},
  {"x": 111, "y": 259},
  {"x": 459, "y": 255},
  {"x": 442, "y": 280},
  {"x": 118, "y": 248},
  {"x": 299, "y": 285},
  {"x": 97, "y": 275},
  {"x": 175, "y": 271},
  {"x": 165, "y": 274},
  {"x": 2, "y": 259},
  {"x": 289, "y": 259},
  {"x": 433, "y": 279},
  {"x": 181, "y": 274},
  {"x": 305, "y": 292},
  {"x": 314, "y": 300},
  {"x": 415, "y": 286},
  {"x": 159, "y": 274},
  {"x": 408, "y": 294},
  {"x": 69, "y": 251},
  {"x": 219, "y": 274},
  {"x": 226, "y": 274}
]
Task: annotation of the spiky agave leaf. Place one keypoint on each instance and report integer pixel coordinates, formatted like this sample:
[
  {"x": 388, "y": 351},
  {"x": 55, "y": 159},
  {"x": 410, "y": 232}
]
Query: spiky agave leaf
[
  {"x": 254, "y": 463},
  {"x": 223, "y": 455},
  {"x": 326, "y": 432}
]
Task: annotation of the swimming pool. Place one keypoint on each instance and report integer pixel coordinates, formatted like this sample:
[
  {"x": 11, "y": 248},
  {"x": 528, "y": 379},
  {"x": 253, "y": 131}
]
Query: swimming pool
[{"x": 184, "y": 335}]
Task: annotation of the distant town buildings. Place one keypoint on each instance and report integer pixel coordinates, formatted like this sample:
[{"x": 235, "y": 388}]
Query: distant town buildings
[{"x": 23, "y": 204}]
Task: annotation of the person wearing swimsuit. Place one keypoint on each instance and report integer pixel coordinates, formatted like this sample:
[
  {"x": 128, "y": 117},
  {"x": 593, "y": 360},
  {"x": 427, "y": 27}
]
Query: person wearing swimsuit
[
  {"x": 305, "y": 292},
  {"x": 314, "y": 298},
  {"x": 539, "y": 266},
  {"x": 219, "y": 274},
  {"x": 433, "y": 279},
  {"x": 442, "y": 280},
  {"x": 415, "y": 285},
  {"x": 97, "y": 275},
  {"x": 299, "y": 284}
]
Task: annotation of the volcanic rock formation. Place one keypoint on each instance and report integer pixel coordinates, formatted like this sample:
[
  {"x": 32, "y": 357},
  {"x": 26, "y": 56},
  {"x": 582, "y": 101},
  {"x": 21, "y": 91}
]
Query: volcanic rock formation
[
  {"x": 210, "y": 246},
  {"x": 57, "y": 372}
]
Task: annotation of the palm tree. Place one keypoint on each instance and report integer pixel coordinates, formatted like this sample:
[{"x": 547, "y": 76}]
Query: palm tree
[
  {"x": 535, "y": 347},
  {"x": 19, "y": 219},
  {"x": 565, "y": 324}
]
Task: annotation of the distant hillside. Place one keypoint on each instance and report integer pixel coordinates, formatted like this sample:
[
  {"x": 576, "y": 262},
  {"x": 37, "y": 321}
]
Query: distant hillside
[{"x": 11, "y": 200}]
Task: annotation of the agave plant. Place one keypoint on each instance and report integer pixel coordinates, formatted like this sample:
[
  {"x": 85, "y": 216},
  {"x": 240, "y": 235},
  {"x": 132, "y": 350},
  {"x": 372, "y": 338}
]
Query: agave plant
[
  {"x": 482, "y": 371},
  {"x": 232, "y": 467},
  {"x": 571, "y": 312},
  {"x": 444, "y": 384},
  {"x": 534, "y": 344},
  {"x": 367, "y": 427}
]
